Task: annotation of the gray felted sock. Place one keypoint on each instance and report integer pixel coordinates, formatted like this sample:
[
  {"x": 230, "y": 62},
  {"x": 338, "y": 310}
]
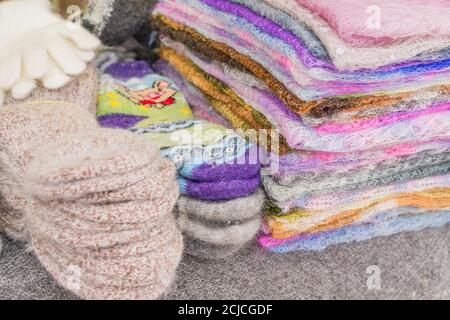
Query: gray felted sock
[
  {"x": 113, "y": 21},
  {"x": 232, "y": 234},
  {"x": 233, "y": 210},
  {"x": 207, "y": 251},
  {"x": 216, "y": 230}
]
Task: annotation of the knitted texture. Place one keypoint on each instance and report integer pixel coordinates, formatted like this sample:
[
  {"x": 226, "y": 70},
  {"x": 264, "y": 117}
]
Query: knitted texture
[
  {"x": 300, "y": 188},
  {"x": 303, "y": 221},
  {"x": 357, "y": 232},
  {"x": 171, "y": 126},
  {"x": 405, "y": 19},
  {"x": 363, "y": 150},
  {"x": 80, "y": 91},
  {"x": 370, "y": 57},
  {"x": 121, "y": 250},
  {"x": 24, "y": 129},
  {"x": 113, "y": 21},
  {"x": 224, "y": 100},
  {"x": 300, "y": 136},
  {"x": 330, "y": 201},
  {"x": 216, "y": 230},
  {"x": 310, "y": 77},
  {"x": 39, "y": 47},
  {"x": 96, "y": 204},
  {"x": 219, "y": 190},
  {"x": 317, "y": 108},
  {"x": 199, "y": 103}
]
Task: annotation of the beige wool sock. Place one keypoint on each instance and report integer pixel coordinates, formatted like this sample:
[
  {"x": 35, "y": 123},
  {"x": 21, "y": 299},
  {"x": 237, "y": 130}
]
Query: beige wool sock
[
  {"x": 23, "y": 129},
  {"x": 125, "y": 249}
]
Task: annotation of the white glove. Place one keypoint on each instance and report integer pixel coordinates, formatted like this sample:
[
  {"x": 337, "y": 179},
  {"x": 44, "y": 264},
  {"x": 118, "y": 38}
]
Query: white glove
[{"x": 37, "y": 44}]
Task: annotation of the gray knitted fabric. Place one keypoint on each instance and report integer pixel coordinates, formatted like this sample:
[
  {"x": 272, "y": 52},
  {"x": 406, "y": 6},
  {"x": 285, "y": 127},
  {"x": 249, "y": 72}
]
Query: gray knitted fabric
[
  {"x": 216, "y": 230},
  {"x": 413, "y": 265},
  {"x": 233, "y": 210},
  {"x": 113, "y": 21},
  {"x": 205, "y": 251}
]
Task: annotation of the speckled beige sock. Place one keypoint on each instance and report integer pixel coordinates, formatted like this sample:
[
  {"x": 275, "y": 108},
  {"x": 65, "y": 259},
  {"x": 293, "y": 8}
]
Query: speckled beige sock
[
  {"x": 131, "y": 246},
  {"x": 96, "y": 204}
]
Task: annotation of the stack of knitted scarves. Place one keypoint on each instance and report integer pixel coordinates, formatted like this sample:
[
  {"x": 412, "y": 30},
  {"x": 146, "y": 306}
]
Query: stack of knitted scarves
[{"x": 363, "y": 118}]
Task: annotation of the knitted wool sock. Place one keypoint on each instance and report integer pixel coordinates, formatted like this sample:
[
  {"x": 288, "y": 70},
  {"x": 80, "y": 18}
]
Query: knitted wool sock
[
  {"x": 23, "y": 129},
  {"x": 218, "y": 236},
  {"x": 80, "y": 91},
  {"x": 225, "y": 211},
  {"x": 206, "y": 251},
  {"x": 132, "y": 97},
  {"x": 127, "y": 249},
  {"x": 219, "y": 190},
  {"x": 113, "y": 21},
  {"x": 69, "y": 176},
  {"x": 215, "y": 230},
  {"x": 38, "y": 46}
]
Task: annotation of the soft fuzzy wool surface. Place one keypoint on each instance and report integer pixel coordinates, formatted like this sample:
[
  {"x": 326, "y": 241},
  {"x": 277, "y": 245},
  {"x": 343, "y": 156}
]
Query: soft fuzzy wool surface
[
  {"x": 38, "y": 46},
  {"x": 216, "y": 230},
  {"x": 412, "y": 265},
  {"x": 94, "y": 204},
  {"x": 281, "y": 87},
  {"x": 272, "y": 45},
  {"x": 233, "y": 210},
  {"x": 80, "y": 91},
  {"x": 121, "y": 249},
  {"x": 113, "y": 21},
  {"x": 399, "y": 20},
  {"x": 24, "y": 129}
]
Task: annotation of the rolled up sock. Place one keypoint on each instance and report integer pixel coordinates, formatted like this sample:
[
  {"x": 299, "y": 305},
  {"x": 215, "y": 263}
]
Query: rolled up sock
[
  {"x": 25, "y": 128},
  {"x": 132, "y": 97},
  {"x": 222, "y": 211},
  {"x": 105, "y": 160},
  {"x": 233, "y": 233},
  {"x": 113, "y": 21},
  {"x": 137, "y": 277},
  {"x": 122, "y": 243},
  {"x": 219, "y": 190},
  {"x": 216, "y": 230},
  {"x": 207, "y": 251},
  {"x": 245, "y": 167}
]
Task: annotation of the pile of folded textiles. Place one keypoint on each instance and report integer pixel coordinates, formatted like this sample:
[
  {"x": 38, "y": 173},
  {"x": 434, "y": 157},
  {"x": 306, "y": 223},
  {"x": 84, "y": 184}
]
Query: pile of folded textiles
[
  {"x": 218, "y": 170},
  {"x": 363, "y": 113},
  {"x": 95, "y": 207}
]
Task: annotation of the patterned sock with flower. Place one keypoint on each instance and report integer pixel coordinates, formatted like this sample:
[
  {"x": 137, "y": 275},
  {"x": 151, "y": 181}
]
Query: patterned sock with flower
[{"x": 133, "y": 97}]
